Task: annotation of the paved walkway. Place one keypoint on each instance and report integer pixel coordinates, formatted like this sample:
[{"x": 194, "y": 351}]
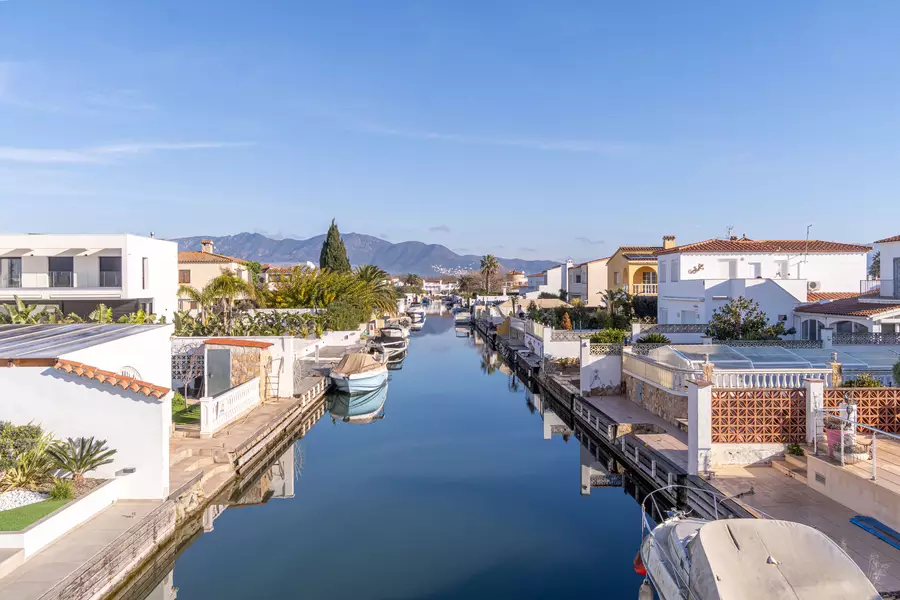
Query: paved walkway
[
  {"x": 649, "y": 428},
  {"x": 782, "y": 497},
  {"x": 58, "y": 560}
]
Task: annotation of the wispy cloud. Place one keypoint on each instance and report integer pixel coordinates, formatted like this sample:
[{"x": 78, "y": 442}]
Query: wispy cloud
[
  {"x": 441, "y": 228},
  {"x": 585, "y": 146},
  {"x": 103, "y": 154},
  {"x": 585, "y": 240}
]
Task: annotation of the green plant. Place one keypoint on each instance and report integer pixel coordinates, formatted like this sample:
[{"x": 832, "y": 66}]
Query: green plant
[
  {"x": 178, "y": 403},
  {"x": 31, "y": 466},
  {"x": 897, "y": 373},
  {"x": 609, "y": 336},
  {"x": 334, "y": 255},
  {"x": 489, "y": 267},
  {"x": 19, "y": 313},
  {"x": 653, "y": 338},
  {"x": 101, "y": 314},
  {"x": 18, "y": 519},
  {"x": 80, "y": 455},
  {"x": 14, "y": 440},
  {"x": 741, "y": 319},
  {"x": 863, "y": 380},
  {"x": 62, "y": 489},
  {"x": 875, "y": 267},
  {"x": 794, "y": 449}
]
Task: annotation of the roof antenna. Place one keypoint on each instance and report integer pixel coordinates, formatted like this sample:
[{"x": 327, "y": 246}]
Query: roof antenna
[
  {"x": 806, "y": 253},
  {"x": 728, "y": 230}
]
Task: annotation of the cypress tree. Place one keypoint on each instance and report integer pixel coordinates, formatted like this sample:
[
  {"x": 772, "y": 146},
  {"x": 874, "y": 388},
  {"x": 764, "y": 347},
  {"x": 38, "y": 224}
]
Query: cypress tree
[{"x": 334, "y": 255}]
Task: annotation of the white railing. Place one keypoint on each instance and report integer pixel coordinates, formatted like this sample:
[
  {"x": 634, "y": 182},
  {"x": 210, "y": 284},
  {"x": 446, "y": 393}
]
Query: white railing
[
  {"x": 218, "y": 411},
  {"x": 535, "y": 329},
  {"x": 766, "y": 378},
  {"x": 851, "y": 436},
  {"x": 658, "y": 374},
  {"x": 644, "y": 289}
]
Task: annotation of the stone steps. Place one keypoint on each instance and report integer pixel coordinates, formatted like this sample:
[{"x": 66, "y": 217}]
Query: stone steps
[
  {"x": 790, "y": 470},
  {"x": 796, "y": 461}
]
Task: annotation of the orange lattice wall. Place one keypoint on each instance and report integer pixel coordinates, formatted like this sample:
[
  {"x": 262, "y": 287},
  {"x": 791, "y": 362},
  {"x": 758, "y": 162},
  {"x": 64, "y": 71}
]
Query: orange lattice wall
[
  {"x": 758, "y": 416},
  {"x": 876, "y": 407}
]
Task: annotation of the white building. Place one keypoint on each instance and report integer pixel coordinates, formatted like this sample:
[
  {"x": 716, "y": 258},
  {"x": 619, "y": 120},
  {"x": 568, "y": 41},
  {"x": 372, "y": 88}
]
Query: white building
[
  {"x": 110, "y": 382},
  {"x": 875, "y": 309},
  {"x": 76, "y": 272},
  {"x": 439, "y": 287},
  {"x": 588, "y": 281},
  {"x": 695, "y": 279},
  {"x": 550, "y": 281}
]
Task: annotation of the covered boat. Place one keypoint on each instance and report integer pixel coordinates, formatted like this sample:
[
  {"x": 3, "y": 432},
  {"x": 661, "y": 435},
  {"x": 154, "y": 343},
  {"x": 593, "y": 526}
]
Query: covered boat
[
  {"x": 358, "y": 373},
  {"x": 738, "y": 559}
]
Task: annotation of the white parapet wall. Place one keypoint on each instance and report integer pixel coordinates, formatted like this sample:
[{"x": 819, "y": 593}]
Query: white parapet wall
[
  {"x": 218, "y": 411},
  {"x": 69, "y": 516},
  {"x": 601, "y": 367}
]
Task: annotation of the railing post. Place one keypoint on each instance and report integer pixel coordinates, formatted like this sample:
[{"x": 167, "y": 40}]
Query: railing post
[
  {"x": 874, "y": 462},
  {"x": 699, "y": 426},
  {"x": 815, "y": 402}
]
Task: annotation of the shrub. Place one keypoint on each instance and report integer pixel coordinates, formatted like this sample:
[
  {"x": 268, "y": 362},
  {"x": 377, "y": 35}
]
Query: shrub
[
  {"x": 80, "y": 455},
  {"x": 609, "y": 336},
  {"x": 653, "y": 338},
  {"x": 794, "y": 449},
  {"x": 566, "y": 322},
  {"x": 14, "y": 440},
  {"x": 63, "y": 489},
  {"x": 31, "y": 466},
  {"x": 863, "y": 380},
  {"x": 346, "y": 314},
  {"x": 897, "y": 373},
  {"x": 178, "y": 403},
  {"x": 645, "y": 307}
]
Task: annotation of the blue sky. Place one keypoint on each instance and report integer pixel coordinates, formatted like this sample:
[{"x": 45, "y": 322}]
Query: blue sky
[{"x": 536, "y": 130}]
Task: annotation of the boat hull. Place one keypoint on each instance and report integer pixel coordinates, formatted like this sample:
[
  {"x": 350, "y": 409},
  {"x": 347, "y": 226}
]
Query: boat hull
[{"x": 360, "y": 384}]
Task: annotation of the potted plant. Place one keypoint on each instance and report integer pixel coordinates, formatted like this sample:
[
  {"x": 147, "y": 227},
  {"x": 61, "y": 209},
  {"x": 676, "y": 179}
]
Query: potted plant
[{"x": 833, "y": 429}]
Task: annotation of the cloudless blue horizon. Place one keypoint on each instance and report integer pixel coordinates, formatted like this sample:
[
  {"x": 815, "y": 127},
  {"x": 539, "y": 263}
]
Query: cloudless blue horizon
[{"x": 538, "y": 131}]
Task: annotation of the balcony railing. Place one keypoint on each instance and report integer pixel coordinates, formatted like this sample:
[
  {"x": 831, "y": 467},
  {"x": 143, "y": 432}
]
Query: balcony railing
[
  {"x": 877, "y": 286},
  {"x": 62, "y": 279},
  {"x": 110, "y": 279},
  {"x": 642, "y": 289}
]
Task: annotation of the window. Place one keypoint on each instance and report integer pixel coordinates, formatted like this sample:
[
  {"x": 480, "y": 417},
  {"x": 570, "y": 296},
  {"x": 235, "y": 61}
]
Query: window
[
  {"x": 110, "y": 271},
  {"x": 145, "y": 272},
  {"x": 195, "y": 305},
  {"x": 578, "y": 278},
  {"x": 184, "y": 275},
  {"x": 648, "y": 277},
  {"x": 616, "y": 278},
  {"x": 811, "y": 330},
  {"x": 676, "y": 265},
  {"x": 783, "y": 271},
  {"x": 10, "y": 272},
  {"x": 663, "y": 316},
  {"x": 61, "y": 270},
  {"x": 663, "y": 267},
  {"x": 755, "y": 270}
]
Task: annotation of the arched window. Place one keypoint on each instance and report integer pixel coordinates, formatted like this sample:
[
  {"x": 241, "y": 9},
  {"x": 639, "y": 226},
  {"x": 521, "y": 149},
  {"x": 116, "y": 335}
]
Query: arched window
[
  {"x": 850, "y": 327},
  {"x": 811, "y": 329}
]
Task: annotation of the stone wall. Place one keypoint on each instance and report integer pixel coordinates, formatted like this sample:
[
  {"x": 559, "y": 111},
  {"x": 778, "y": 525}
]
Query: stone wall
[{"x": 667, "y": 405}]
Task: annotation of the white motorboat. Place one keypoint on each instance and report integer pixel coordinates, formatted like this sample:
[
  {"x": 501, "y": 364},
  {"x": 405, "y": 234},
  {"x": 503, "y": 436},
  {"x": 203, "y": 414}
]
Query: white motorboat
[
  {"x": 394, "y": 332},
  {"x": 359, "y": 373},
  {"x": 744, "y": 559},
  {"x": 416, "y": 312},
  {"x": 462, "y": 316},
  {"x": 389, "y": 345}
]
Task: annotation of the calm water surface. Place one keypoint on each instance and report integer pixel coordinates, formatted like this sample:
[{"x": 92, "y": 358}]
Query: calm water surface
[{"x": 453, "y": 494}]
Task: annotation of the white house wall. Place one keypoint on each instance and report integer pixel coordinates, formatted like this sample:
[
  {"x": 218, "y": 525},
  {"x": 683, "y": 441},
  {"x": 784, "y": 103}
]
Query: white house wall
[
  {"x": 889, "y": 252},
  {"x": 136, "y": 426},
  {"x": 149, "y": 352},
  {"x": 162, "y": 280}
]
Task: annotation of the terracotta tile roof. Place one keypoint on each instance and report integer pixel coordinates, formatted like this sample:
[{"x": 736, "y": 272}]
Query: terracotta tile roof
[
  {"x": 895, "y": 238},
  {"x": 113, "y": 379},
  {"x": 817, "y": 296},
  {"x": 848, "y": 307},
  {"x": 233, "y": 342},
  {"x": 734, "y": 245},
  {"x": 537, "y": 275},
  {"x": 191, "y": 256}
]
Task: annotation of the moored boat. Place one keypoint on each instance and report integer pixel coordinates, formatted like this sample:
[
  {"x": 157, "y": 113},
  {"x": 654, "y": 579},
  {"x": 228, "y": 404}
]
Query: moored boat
[
  {"x": 360, "y": 408},
  {"x": 416, "y": 312},
  {"x": 358, "y": 373}
]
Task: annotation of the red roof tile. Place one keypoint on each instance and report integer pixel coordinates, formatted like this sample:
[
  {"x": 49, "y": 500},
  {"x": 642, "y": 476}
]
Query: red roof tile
[
  {"x": 764, "y": 246},
  {"x": 895, "y": 238},
  {"x": 848, "y": 307},
  {"x": 233, "y": 342},
  {"x": 817, "y": 296},
  {"x": 191, "y": 256},
  {"x": 113, "y": 379}
]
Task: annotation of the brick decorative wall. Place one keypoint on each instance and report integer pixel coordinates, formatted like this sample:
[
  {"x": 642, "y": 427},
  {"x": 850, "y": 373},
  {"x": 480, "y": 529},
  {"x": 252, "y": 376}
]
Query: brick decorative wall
[
  {"x": 667, "y": 405},
  {"x": 876, "y": 407},
  {"x": 758, "y": 416}
]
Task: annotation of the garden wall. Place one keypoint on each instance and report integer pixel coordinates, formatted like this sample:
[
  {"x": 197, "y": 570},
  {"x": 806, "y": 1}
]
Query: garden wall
[
  {"x": 601, "y": 368},
  {"x": 669, "y": 406}
]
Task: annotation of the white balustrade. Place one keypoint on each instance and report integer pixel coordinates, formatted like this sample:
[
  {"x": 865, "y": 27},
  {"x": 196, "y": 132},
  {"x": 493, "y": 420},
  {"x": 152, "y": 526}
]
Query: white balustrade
[
  {"x": 218, "y": 411},
  {"x": 659, "y": 374},
  {"x": 768, "y": 378}
]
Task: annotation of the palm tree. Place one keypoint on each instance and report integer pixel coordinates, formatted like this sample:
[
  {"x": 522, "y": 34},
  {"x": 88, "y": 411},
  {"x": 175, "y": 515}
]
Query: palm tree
[
  {"x": 489, "y": 267},
  {"x": 382, "y": 294},
  {"x": 224, "y": 290}
]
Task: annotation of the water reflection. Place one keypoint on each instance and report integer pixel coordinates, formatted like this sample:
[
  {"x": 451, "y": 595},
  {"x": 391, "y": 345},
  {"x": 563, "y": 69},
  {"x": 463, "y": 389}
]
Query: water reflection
[{"x": 358, "y": 408}]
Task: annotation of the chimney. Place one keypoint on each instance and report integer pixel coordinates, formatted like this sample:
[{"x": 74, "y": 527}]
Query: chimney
[
  {"x": 206, "y": 246},
  {"x": 668, "y": 242}
]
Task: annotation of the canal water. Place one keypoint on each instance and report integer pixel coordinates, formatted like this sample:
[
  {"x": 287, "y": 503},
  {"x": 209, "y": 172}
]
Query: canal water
[{"x": 450, "y": 492}]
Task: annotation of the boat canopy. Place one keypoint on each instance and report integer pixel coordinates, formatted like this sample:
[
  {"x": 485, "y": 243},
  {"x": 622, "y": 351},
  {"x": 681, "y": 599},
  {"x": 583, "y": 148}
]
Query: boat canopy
[
  {"x": 356, "y": 363},
  {"x": 760, "y": 558}
]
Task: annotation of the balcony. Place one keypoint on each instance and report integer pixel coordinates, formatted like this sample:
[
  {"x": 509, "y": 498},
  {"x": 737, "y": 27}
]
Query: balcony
[
  {"x": 882, "y": 287},
  {"x": 62, "y": 279},
  {"x": 110, "y": 279},
  {"x": 643, "y": 289}
]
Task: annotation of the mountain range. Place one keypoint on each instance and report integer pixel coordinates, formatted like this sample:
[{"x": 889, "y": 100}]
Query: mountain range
[{"x": 403, "y": 257}]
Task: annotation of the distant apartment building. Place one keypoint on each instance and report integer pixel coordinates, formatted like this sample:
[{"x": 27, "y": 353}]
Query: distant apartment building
[
  {"x": 75, "y": 272},
  {"x": 633, "y": 268},
  {"x": 197, "y": 269},
  {"x": 695, "y": 279},
  {"x": 588, "y": 281},
  {"x": 439, "y": 287},
  {"x": 874, "y": 309}
]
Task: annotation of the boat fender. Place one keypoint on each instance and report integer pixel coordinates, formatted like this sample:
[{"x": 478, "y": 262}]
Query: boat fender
[
  {"x": 639, "y": 567},
  {"x": 646, "y": 591}
]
